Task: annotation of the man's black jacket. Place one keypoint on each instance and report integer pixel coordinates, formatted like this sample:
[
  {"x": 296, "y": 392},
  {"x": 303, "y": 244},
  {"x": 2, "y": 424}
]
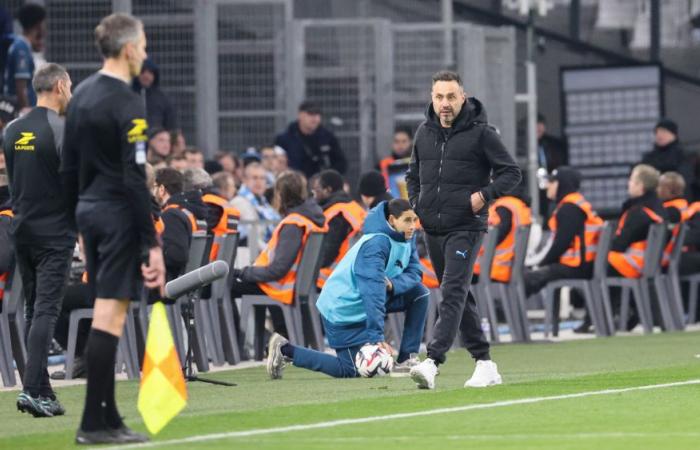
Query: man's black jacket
[{"x": 449, "y": 164}]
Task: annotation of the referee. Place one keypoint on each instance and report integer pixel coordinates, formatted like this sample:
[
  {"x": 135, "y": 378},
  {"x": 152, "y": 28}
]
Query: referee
[
  {"x": 458, "y": 165},
  {"x": 42, "y": 230},
  {"x": 104, "y": 175}
]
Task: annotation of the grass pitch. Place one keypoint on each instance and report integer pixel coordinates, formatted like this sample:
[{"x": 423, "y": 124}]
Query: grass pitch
[{"x": 665, "y": 417}]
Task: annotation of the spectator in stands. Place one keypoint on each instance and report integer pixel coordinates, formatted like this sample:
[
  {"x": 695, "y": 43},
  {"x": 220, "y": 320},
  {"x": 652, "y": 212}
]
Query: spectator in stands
[
  {"x": 228, "y": 162},
  {"x": 667, "y": 154},
  {"x": 401, "y": 147},
  {"x": 372, "y": 188},
  {"x": 505, "y": 215},
  {"x": 159, "y": 145},
  {"x": 344, "y": 218},
  {"x": 20, "y": 65},
  {"x": 552, "y": 152},
  {"x": 310, "y": 147},
  {"x": 212, "y": 166},
  {"x": 178, "y": 162},
  {"x": 160, "y": 111},
  {"x": 226, "y": 184},
  {"x": 274, "y": 271},
  {"x": 282, "y": 162},
  {"x": 194, "y": 182},
  {"x": 639, "y": 212},
  {"x": 178, "y": 221},
  {"x": 576, "y": 228},
  {"x": 268, "y": 159},
  {"x": 177, "y": 142},
  {"x": 251, "y": 201},
  {"x": 379, "y": 275},
  {"x": 8, "y": 112},
  {"x": 195, "y": 158}
]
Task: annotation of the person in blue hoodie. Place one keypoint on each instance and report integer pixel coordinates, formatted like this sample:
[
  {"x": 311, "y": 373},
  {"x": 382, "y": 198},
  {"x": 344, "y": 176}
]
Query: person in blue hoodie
[{"x": 380, "y": 274}]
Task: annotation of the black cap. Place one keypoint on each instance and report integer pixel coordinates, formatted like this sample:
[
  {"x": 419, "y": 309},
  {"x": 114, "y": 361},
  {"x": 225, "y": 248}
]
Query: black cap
[
  {"x": 213, "y": 167},
  {"x": 667, "y": 124},
  {"x": 567, "y": 174},
  {"x": 310, "y": 107},
  {"x": 372, "y": 184}
]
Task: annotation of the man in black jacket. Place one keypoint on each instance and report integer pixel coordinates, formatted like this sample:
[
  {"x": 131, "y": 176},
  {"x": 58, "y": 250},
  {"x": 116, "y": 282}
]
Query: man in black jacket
[
  {"x": 310, "y": 146},
  {"x": 43, "y": 232},
  {"x": 160, "y": 112},
  {"x": 455, "y": 156}
]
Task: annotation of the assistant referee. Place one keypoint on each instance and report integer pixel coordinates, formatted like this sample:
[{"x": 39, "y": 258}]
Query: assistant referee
[
  {"x": 104, "y": 175},
  {"x": 43, "y": 232}
]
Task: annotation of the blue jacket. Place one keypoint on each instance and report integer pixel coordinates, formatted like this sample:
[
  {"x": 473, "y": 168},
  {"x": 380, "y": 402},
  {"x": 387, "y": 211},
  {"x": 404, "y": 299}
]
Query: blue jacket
[{"x": 353, "y": 300}]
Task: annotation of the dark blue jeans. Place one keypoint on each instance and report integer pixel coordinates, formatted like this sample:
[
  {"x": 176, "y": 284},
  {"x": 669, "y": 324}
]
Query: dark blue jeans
[{"x": 414, "y": 303}]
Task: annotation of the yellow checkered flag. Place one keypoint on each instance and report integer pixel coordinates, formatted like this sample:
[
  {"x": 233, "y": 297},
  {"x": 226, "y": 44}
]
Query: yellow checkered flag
[{"x": 162, "y": 394}]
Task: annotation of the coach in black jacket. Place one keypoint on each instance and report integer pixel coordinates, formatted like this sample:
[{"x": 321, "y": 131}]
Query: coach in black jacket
[{"x": 458, "y": 165}]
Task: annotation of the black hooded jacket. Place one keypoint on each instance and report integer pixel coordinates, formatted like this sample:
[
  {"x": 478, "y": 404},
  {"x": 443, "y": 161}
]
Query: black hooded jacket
[
  {"x": 448, "y": 165},
  {"x": 288, "y": 246},
  {"x": 338, "y": 229},
  {"x": 160, "y": 112},
  {"x": 665, "y": 159},
  {"x": 177, "y": 237},
  {"x": 571, "y": 222},
  {"x": 637, "y": 223}
]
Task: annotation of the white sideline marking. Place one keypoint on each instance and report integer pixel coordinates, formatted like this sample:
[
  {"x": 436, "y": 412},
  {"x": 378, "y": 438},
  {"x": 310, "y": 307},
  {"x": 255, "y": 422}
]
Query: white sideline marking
[{"x": 429, "y": 412}]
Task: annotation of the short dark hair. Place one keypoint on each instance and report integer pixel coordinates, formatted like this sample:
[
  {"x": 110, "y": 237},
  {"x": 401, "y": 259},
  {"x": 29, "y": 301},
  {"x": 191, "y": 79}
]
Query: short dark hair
[
  {"x": 172, "y": 180},
  {"x": 31, "y": 15},
  {"x": 396, "y": 207},
  {"x": 406, "y": 130},
  {"x": 193, "y": 151},
  {"x": 331, "y": 179},
  {"x": 447, "y": 75},
  {"x": 46, "y": 78},
  {"x": 310, "y": 107},
  {"x": 114, "y": 31}
]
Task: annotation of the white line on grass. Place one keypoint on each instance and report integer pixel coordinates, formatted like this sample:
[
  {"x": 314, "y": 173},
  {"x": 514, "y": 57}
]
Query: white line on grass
[{"x": 429, "y": 412}]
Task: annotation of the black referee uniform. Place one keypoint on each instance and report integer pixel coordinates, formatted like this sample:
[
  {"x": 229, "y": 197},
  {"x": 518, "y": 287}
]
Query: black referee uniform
[
  {"x": 43, "y": 232},
  {"x": 105, "y": 181}
]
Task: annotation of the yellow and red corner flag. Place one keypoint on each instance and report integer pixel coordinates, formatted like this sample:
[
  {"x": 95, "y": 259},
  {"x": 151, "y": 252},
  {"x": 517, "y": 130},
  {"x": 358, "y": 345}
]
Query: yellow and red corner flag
[{"x": 162, "y": 394}]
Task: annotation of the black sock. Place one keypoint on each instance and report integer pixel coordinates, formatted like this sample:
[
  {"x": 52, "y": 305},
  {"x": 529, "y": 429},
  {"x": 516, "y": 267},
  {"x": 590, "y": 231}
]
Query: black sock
[
  {"x": 110, "y": 411},
  {"x": 100, "y": 354},
  {"x": 287, "y": 350}
]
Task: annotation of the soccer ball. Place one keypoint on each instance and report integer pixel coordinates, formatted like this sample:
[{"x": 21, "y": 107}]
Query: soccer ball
[{"x": 373, "y": 360}]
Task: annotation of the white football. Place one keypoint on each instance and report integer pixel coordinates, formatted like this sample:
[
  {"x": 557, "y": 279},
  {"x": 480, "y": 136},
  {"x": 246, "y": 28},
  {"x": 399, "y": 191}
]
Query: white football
[{"x": 373, "y": 360}]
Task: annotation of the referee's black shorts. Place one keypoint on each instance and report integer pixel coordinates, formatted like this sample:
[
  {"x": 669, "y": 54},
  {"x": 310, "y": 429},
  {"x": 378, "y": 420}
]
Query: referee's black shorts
[{"x": 112, "y": 248}]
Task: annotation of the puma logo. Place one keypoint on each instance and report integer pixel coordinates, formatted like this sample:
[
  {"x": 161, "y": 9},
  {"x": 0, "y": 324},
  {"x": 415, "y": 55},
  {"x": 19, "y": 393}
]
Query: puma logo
[{"x": 463, "y": 254}]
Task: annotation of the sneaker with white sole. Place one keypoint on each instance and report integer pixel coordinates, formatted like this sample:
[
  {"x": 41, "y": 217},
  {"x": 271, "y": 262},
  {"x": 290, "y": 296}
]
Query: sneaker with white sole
[
  {"x": 424, "y": 374},
  {"x": 403, "y": 369},
  {"x": 275, "y": 359},
  {"x": 485, "y": 374}
]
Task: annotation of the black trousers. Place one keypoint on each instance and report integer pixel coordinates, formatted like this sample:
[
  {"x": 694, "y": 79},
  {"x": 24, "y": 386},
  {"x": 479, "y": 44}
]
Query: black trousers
[
  {"x": 453, "y": 256},
  {"x": 537, "y": 279},
  {"x": 44, "y": 272}
]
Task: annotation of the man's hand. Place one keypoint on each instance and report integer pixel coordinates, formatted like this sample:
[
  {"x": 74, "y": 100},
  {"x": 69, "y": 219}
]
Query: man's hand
[
  {"x": 387, "y": 347},
  {"x": 154, "y": 272},
  {"x": 388, "y": 284},
  {"x": 478, "y": 202}
]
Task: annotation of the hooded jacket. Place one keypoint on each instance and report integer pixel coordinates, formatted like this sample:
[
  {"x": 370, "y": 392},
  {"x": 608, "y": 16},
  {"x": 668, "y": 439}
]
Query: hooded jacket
[
  {"x": 665, "y": 159},
  {"x": 288, "y": 246},
  {"x": 160, "y": 112},
  {"x": 448, "y": 165},
  {"x": 353, "y": 300}
]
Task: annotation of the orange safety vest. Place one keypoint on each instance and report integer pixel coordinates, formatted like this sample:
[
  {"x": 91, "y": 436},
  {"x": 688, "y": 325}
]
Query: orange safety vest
[
  {"x": 282, "y": 290},
  {"x": 503, "y": 258},
  {"x": 430, "y": 279},
  {"x": 630, "y": 263},
  {"x": 190, "y": 216},
  {"x": 3, "y": 276},
  {"x": 681, "y": 205},
  {"x": 384, "y": 167},
  {"x": 159, "y": 225},
  {"x": 591, "y": 234},
  {"x": 355, "y": 215},
  {"x": 228, "y": 223}
]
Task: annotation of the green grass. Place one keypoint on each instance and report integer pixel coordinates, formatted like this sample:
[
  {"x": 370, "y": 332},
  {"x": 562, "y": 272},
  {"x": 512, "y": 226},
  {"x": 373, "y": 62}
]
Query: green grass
[{"x": 664, "y": 418}]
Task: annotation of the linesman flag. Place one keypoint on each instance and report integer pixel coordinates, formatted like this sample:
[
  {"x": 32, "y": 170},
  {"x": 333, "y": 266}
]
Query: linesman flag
[{"x": 162, "y": 394}]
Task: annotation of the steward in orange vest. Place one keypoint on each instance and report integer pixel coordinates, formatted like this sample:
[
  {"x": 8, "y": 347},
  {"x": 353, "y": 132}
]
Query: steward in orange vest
[
  {"x": 643, "y": 209},
  {"x": 7, "y": 252},
  {"x": 690, "y": 258},
  {"x": 274, "y": 271},
  {"x": 344, "y": 218},
  {"x": 226, "y": 218},
  {"x": 670, "y": 191},
  {"x": 400, "y": 149},
  {"x": 576, "y": 228},
  {"x": 507, "y": 213}
]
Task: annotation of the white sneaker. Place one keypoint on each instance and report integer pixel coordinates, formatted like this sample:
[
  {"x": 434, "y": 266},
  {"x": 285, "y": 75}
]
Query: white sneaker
[
  {"x": 275, "y": 359},
  {"x": 485, "y": 374},
  {"x": 424, "y": 374}
]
